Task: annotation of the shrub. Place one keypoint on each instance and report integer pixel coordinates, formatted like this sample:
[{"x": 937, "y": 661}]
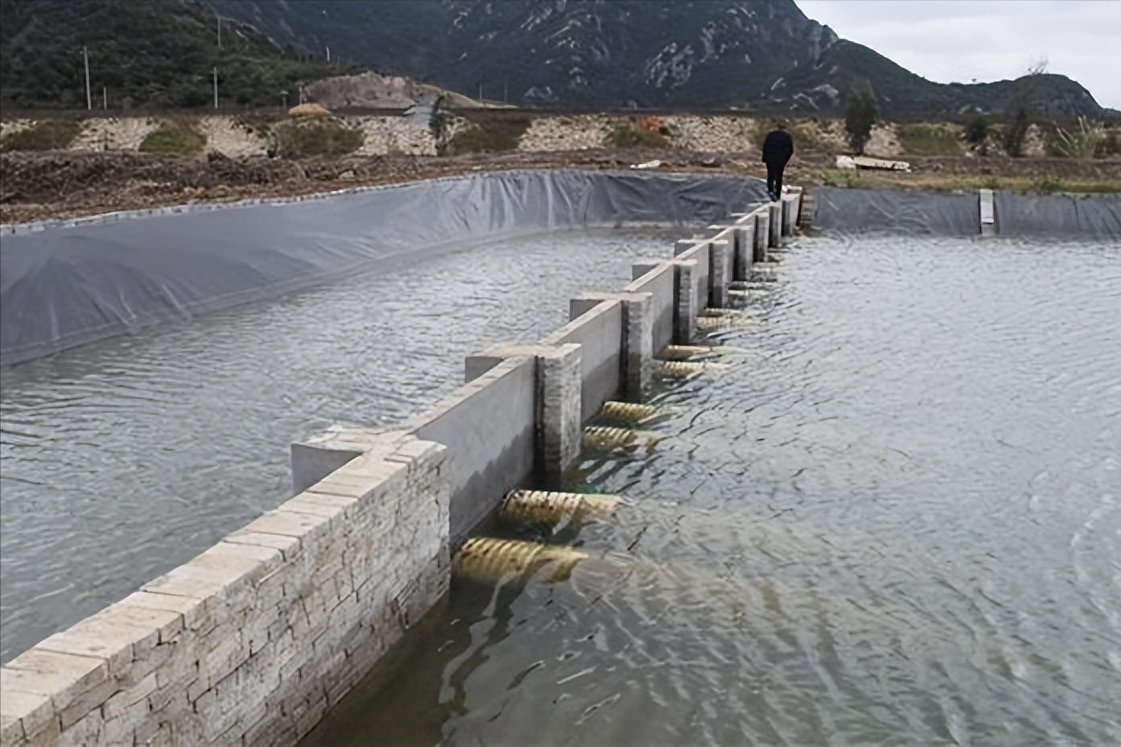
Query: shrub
[
  {"x": 1085, "y": 142},
  {"x": 860, "y": 115},
  {"x": 1111, "y": 145},
  {"x": 629, "y": 136},
  {"x": 50, "y": 134},
  {"x": 807, "y": 136},
  {"x": 929, "y": 140},
  {"x": 318, "y": 136},
  {"x": 1048, "y": 184},
  {"x": 1015, "y": 132},
  {"x": 977, "y": 130},
  {"x": 257, "y": 123},
  {"x": 490, "y": 136},
  {"x": 839, "y": 177},
  {"x": 172, "y": 138}
]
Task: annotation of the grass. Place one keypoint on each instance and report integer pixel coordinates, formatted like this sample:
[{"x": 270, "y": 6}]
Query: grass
[
  {"x": 840, "y": 177},
  {"x": 1085, "y": 141},
  {"x": 176, "y": 139},
  {"x": 313, "y": 136},
  {"x": 494, "y": 135},
  {"x": 630, "y": 136},
  {"x": 49, "y": 134},
  {"x": 925, "y": 139}
]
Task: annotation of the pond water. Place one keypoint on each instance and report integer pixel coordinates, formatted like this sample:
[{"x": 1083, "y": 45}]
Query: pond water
[
  {"x": 125, "y": 458},
  {"x": 893, "y": 518}
]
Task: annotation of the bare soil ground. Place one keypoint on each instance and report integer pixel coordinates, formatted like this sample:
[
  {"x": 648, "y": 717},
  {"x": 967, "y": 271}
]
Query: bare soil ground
[{"x": 63, "y": 184}]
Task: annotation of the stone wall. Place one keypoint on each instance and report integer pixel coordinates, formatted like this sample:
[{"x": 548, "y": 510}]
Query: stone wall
[{"x": 256, "y": 637}]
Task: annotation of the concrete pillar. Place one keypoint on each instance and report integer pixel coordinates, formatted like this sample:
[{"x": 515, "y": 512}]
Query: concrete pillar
[
  {"x": 558, "y": 397},
  {"x": 560, "y": 390},
  {"x": 988, "y": 212},
  {"x": 720, "y": 257},
  {"x": 742, "y": 237},
  {"x": 761, "y": 237},
  {"x": 774, "y": 235},
  {"x": 686, "y": 303},
  {"x": 638, "y": 341},
  {"x": 790, "y": 204}
]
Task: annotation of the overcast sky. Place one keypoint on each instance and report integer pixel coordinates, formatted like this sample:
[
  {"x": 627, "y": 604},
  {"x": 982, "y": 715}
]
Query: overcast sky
[{"x": 959, "y": 41}]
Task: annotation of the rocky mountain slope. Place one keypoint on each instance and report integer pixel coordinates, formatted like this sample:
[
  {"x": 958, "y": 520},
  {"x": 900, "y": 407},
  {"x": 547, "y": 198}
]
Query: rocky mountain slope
[{"x": 601, "y": 54}]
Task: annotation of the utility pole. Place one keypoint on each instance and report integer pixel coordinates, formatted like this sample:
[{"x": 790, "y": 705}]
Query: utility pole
[
  {"x": 104, "y": 97},
  {"x": 89, "y": 97},
  {"x": 328, "y": 52},
  {"x": 215, "y": 88}
]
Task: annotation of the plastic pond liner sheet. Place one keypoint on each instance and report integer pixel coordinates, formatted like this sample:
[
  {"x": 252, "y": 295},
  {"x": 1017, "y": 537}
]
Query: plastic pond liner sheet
[
  {"x": 63, "y": 284},
  {"x": 897, "y": 212},
  {"x": 1083, "y": 217},
  {"x": 1097, "y": 217}
]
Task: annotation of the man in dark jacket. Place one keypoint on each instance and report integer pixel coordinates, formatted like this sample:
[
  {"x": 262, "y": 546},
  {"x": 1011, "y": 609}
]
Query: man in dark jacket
[{"x": 778, "y": 147}]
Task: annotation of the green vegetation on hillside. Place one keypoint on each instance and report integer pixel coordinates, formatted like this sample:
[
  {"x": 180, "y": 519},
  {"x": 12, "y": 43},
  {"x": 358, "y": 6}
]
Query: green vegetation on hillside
[
  {"x": 48, "y": 134},
  {"x": 153, "y": 54},
  {"x": 494, "y": 134},
  {"x": 928, "y": 139},
  {"x": 313, "y": 136},
  {"x": 172, "y": 138}
]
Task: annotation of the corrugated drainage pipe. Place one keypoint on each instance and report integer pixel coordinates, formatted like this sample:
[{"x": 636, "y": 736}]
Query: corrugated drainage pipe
[
  {"x": 555, "y": 508},
  {"x": 606, "y": 437},
  {"x": 502, "y": 561},
  {"x": 627, "y": 412}
]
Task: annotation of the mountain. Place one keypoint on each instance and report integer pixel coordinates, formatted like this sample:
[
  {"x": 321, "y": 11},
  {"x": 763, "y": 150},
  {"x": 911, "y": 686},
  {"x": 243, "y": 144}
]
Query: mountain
[
  {"x": 602, "y": 54},
  {"x": 145, "y": 53}
]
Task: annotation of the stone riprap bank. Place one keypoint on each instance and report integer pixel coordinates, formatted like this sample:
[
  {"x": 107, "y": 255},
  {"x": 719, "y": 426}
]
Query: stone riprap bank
[{"x": 251, "y": 641}]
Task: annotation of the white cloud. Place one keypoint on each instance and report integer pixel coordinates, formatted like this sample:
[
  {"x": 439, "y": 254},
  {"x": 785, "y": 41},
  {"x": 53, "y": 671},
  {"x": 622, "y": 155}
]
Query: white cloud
[{"x": 985, "y": 40}]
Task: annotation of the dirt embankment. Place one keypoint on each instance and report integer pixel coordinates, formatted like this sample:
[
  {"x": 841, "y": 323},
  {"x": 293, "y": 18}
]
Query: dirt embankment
[
  {"x": 101, "y": 170},
  {"x": 40, "y": 186}
]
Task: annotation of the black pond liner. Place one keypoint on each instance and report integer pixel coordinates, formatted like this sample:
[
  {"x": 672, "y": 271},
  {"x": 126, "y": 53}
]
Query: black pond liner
[
  {"x": 1059, "y": 216},
  {"x": 1075, "y": 217},
  {"x": 67, "y": 283},
  {"x": 896, "y": 212}
]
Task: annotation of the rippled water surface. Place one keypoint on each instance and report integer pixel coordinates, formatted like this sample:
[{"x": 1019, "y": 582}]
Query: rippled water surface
[
  {"x": 893, "y": 518},
  {"x": 125, "y": 458}
]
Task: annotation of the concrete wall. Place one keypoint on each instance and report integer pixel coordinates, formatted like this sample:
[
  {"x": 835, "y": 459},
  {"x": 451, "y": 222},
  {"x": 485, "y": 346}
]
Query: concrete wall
[
  {"x": 250, "y": 642},
  {"x": 487, "y": 426},
  {"x": 657, "y": 280},
  {"x": 600, "y": 333}
]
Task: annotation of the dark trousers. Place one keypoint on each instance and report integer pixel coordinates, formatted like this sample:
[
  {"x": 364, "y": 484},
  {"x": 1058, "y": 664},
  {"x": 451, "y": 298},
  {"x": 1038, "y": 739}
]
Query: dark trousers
[{"x": 774, "y": 179}]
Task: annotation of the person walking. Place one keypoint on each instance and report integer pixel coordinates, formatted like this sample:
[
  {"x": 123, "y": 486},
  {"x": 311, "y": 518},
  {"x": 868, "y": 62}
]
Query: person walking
[{"x": 778, "y": 147}]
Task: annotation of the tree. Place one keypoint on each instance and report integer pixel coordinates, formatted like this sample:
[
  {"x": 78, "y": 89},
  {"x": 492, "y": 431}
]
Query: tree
[
  {"x": 1019, "y": 110},
  {"x": 860, "y": 115},
  {"x": 977, "y": 130}
]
